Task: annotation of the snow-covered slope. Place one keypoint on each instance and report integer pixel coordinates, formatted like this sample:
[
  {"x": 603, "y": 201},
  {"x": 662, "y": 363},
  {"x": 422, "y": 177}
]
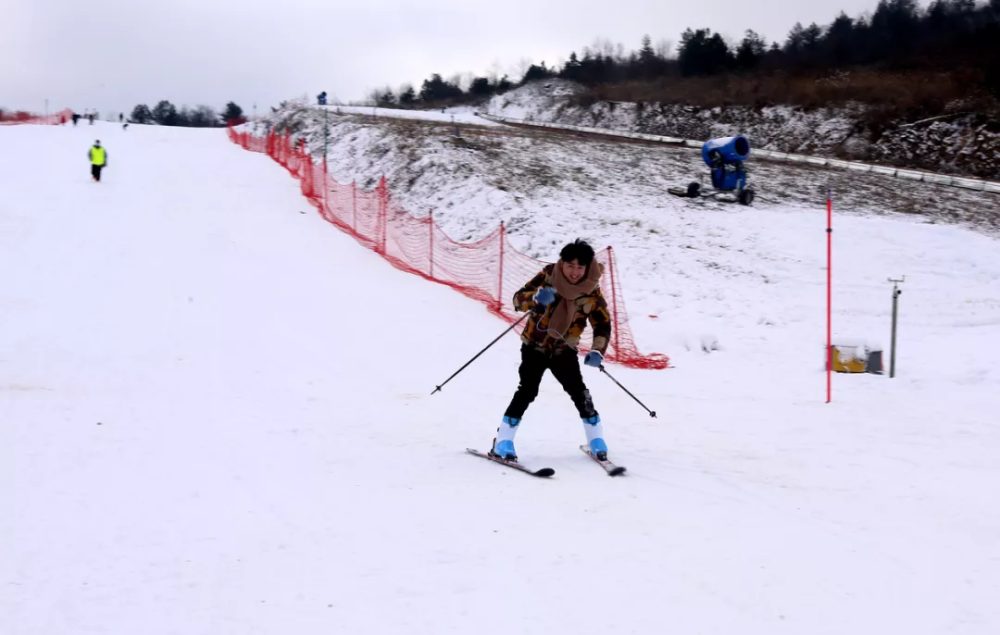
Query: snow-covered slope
[
  {"x": 548, "y": 187},
  {"x": 962, "y": 142},
  {"x": 215, "y": 412}
]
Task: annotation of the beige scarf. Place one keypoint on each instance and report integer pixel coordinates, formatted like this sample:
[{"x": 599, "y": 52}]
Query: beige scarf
[{"x": 565, "y": 311}]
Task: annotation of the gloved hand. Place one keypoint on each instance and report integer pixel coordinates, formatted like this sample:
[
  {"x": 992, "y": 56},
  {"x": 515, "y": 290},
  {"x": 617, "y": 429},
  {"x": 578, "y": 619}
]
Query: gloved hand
[
  {"x": 545, "y": 296},
  {"x": 594, "y": 359}
]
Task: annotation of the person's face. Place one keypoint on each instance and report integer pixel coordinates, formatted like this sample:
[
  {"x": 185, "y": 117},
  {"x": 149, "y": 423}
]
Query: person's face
[{"x": 574, "y": 271}]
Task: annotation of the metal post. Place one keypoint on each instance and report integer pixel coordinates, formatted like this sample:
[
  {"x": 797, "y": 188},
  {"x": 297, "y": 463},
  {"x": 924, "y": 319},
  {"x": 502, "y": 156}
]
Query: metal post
[
  {"x": 829, "y": 296},
  {"x": 895, "y": 314}
]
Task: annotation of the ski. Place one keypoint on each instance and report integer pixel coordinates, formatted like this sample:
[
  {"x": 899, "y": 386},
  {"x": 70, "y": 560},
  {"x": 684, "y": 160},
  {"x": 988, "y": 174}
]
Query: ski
[
  {"x": 543, "y": 472},
  {"x": 609, "y": 467}
]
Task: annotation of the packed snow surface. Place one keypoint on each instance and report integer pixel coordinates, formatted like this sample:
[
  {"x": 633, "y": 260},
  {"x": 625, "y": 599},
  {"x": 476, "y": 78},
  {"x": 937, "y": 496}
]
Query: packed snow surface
[{"x": 215, "y": 416}]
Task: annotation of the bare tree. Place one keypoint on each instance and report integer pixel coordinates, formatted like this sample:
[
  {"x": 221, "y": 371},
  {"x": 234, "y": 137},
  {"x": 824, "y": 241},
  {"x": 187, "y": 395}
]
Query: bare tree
[
  {"x": 604, "y": 47},
  {"x": 664, "y": 48},
  {"x": 495, "y": 72},
  {"x": 462, "y": 80},
  {"x": 203, "y": 117}
]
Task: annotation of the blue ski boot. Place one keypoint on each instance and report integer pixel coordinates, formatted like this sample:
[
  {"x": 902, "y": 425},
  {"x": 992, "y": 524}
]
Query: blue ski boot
[
  {"x": 595, "y": 437},
  {"x": 504, "y": 450},
  {"x": 503, "y": 444}
]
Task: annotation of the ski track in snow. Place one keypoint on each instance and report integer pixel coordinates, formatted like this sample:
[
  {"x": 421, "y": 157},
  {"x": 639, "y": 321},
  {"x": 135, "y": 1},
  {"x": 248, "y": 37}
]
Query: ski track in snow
[{"x": 215, "y": 412}]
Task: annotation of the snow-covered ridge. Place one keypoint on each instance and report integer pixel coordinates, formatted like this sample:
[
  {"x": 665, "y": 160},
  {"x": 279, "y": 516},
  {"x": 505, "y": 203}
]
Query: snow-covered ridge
[
  {"x": 963, "y": 144},
  {"x": 857, "y": 166}
]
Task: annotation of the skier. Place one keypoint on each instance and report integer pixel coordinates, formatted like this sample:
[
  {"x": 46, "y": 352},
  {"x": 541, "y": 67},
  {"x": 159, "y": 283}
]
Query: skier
[
  {"x": 562, "y": 298},
  {"x": 98, "y": 160}
]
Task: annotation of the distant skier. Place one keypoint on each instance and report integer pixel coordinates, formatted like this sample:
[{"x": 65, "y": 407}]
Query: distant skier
[
  {"x": 98, "y": 160},
  {"x": 562, "y": 298}
]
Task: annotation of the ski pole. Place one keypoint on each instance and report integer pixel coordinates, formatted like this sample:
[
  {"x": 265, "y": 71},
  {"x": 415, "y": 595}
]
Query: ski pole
[
  {"x": 605, "y": 371},
  {"x": 508, "y": 330}
]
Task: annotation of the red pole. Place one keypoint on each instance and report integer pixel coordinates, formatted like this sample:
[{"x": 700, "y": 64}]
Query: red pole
[
  {"x": 829, "y": 297},
  {"x": 430, "y": 223},
  {"x": 384, "y": 199},
  {"x": 614, "y": 303}
]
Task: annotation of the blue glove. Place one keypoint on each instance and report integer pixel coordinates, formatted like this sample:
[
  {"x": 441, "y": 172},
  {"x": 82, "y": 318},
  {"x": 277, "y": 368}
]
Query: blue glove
[
  {"x": 545, "y": 296},
  {"x": 594, "y": 359}
]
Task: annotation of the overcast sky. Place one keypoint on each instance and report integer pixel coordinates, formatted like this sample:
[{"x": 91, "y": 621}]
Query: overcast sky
[{"x": 110, "y": 55}]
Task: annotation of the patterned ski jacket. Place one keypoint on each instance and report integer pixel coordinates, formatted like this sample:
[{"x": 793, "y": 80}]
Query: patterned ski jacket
[{"x": 592, "y": 307}]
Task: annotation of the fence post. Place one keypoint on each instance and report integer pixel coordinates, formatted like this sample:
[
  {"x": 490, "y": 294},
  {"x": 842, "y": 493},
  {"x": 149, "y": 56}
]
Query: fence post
[
  {"x": 383, "y": 198},
  {"x": 614, "y": 302},
  {"x": 326, "y": 188},
  {"x": 501, "y": 237},
  {"x": 430, "y": 223},
  {"x": 354, "y": 207}
]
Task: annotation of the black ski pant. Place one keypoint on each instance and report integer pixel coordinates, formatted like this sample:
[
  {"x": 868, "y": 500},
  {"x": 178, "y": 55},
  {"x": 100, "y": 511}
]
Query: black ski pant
[
  {"x": 95, "y": 170},
  {"x": 565, "y": 367}
]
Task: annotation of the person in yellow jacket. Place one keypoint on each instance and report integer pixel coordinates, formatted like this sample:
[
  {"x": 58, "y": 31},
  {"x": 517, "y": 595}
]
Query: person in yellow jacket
[{"x": 98, "y": 159}]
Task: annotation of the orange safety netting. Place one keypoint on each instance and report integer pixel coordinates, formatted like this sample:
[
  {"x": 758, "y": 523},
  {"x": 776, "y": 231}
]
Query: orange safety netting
[
  {"x": 490, "y": 270},
  {"x": 21, "y": 117}
]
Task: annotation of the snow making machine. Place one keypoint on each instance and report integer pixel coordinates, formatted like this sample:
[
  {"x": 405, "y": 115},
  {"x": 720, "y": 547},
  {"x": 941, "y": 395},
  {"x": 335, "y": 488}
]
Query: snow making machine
[{"x": 725, "y": 158}]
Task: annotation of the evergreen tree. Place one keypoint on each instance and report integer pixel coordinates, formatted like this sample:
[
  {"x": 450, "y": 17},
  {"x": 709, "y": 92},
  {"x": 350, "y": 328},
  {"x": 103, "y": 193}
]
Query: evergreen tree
[
  {"x": 536, "y": 72},
  {"x": 571, "y": 70},
  {"x": 232, "y": 114},
  {"x": 796, "y": 40},
  {"x": 504, "y": 85},
  {"x": 751, "y": 51},
  {"x": 436, "y": 89},
  {"x": 165, "y": 114},
  {"x": 407, "y": 96},
  {"x": 385, "y": 98},
  {"x": 704, "y": 53},
  {"x": 647, "y": 62},
  {"x": 141, "y": 114},
  {"x": 481, "y": 87},
  {"x": 839, "y": 45}
]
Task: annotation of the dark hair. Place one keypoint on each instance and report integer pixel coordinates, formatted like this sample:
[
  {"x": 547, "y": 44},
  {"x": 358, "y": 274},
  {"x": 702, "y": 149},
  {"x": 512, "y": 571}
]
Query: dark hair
[{"x": 578, "y": 250}]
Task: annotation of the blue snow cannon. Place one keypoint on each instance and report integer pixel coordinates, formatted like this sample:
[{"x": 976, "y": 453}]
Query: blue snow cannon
[
  {"x": 725, "y": 158},
  {"x": 727, "y": 150}
]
